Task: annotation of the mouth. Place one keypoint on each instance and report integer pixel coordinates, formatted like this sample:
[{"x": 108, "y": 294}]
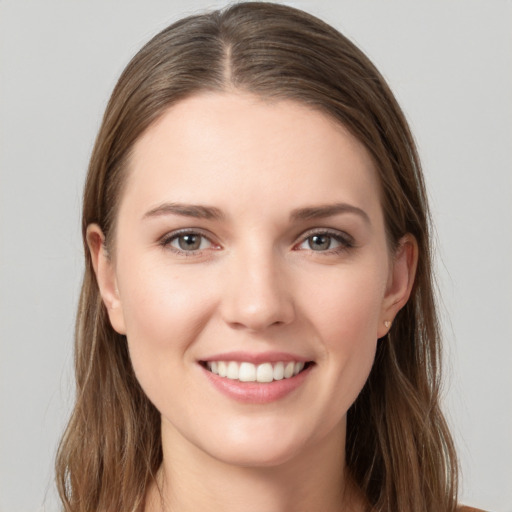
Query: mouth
[{"x": 265, "y": 372}]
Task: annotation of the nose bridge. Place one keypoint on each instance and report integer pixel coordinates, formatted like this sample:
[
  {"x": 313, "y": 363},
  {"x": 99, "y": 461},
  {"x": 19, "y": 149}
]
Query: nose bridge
[{"x": 258, "y": 294}]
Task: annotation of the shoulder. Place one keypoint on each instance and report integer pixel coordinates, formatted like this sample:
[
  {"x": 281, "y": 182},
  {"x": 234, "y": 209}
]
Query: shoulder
[{"x": 469, "y": 509}]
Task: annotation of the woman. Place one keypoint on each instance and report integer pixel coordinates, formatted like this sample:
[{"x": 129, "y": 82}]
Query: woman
[{"x": 257, "y": 328}]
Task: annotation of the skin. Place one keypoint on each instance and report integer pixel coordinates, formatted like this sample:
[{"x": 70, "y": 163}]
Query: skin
[{"x": 258, "y": 283}]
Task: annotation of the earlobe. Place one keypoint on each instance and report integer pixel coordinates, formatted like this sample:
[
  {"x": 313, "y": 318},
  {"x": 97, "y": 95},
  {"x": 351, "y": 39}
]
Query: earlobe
[
  {"x": 105, "y": 277},
  {"x": 400, "y": 282}
]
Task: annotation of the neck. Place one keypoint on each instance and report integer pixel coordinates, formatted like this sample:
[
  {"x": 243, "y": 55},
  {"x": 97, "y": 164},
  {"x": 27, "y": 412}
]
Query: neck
[{"x": 191, "y": 480}]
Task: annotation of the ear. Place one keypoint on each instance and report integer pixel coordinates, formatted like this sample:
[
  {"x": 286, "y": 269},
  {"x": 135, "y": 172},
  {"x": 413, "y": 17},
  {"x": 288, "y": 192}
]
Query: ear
[
  {"x": 400, "y": 282},
  {"x": 105, "y": 276}
]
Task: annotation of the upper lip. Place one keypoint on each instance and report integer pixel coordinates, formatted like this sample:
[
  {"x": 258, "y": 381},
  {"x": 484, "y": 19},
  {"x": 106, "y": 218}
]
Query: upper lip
[{"x": 262, "y": 357}]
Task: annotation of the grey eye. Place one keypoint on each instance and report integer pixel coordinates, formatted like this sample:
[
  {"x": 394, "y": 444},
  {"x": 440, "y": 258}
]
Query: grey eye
[
  {"x": 190, "y": 242},
  {"x": 321, "y": 242}
]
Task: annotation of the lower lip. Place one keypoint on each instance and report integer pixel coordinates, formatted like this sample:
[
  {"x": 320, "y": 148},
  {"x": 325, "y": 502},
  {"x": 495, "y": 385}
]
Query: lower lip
[{"x": 257, "y": 392}]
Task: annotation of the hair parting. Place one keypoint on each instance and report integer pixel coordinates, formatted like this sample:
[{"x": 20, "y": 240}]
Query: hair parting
[{"x": 399, "y": 450}]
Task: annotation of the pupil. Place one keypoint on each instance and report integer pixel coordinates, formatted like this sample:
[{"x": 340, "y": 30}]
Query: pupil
[
  {"x": 189, "y": 242},
  {"x": 319, "y": 242}
]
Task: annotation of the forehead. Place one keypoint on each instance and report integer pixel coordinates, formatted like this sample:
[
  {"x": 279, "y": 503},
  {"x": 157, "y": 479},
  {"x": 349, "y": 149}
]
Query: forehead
[{"x": 231, "y": 147}]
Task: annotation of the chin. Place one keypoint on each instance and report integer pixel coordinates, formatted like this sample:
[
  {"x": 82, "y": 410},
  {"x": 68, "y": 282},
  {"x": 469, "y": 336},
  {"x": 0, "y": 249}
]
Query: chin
[
  {"x": 256, "y": 456},
  {"x": 262, "y": 447}
]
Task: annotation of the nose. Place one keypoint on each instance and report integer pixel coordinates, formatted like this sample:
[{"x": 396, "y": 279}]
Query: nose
[{"x": 258, "y": 293}]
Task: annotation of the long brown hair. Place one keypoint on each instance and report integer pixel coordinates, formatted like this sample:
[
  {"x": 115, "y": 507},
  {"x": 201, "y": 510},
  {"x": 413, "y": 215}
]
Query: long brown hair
[{"x": 399, "y": 450}]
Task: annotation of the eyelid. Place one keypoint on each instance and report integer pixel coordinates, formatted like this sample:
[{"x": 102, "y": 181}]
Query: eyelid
[
  {"x": 166, "y": 240},
  {"x": 346, "y": 240}
]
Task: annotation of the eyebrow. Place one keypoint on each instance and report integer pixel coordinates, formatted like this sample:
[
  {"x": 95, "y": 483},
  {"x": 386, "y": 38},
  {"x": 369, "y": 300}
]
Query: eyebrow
[
  {"x": 185, "y": 210},
  {"x": 328, "y": 210},
  {"x": 210, "y": 212}
]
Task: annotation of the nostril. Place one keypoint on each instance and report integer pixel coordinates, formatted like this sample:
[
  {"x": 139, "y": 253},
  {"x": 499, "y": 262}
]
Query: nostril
[{"x": 257, "y": 317}]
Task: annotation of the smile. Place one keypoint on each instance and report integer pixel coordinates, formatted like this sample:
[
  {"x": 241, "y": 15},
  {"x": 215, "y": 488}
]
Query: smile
[{"x": 249, "y": 372}]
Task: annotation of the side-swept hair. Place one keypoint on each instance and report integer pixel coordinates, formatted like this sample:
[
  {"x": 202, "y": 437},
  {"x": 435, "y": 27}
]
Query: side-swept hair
[{"x": 399, "y": 450}]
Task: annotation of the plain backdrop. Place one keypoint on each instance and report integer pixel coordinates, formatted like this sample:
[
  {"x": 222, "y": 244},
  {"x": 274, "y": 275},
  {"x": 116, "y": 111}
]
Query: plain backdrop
[{"x": 450, "y": 65}]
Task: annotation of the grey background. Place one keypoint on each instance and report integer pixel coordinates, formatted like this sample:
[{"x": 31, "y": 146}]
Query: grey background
[{"x": 449, "y": 63}]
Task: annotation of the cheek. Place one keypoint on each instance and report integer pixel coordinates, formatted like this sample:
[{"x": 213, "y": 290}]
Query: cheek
[
  {"x": 350, "y": 341},
  {"x": 164, "y": 309},
  {"x": 346, "y": 305},
  {"x": 159, "y": 303},
  {"x": 345, "y": 313}
]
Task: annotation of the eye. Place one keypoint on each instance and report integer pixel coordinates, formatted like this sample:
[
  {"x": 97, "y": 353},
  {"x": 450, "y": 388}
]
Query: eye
[
  {"x": 326, "y": 241},
  {"x": 321, "y": 242},
  {"x": 187, "y": 242}
]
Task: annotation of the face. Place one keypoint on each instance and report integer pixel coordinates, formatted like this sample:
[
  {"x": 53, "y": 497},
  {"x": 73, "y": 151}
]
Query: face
[{"x": 251, "y": 275}]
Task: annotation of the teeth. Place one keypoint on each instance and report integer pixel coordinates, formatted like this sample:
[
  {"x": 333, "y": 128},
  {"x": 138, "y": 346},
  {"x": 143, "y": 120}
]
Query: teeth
[
  {"x": 288, "y": 370},
  {"x": 223, "y": 368},
  {"x": 264, "y": 373},
  {"x": 248, "y": 372},
  {"x": 233, "y": 370},
  {"x": 279, "y": 371}
]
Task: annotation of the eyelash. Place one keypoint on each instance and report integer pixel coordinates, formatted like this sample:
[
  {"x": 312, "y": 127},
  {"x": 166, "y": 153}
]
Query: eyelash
[
  {"x": 345, "y": 241},
  {"x": 168, "y": 239}
]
